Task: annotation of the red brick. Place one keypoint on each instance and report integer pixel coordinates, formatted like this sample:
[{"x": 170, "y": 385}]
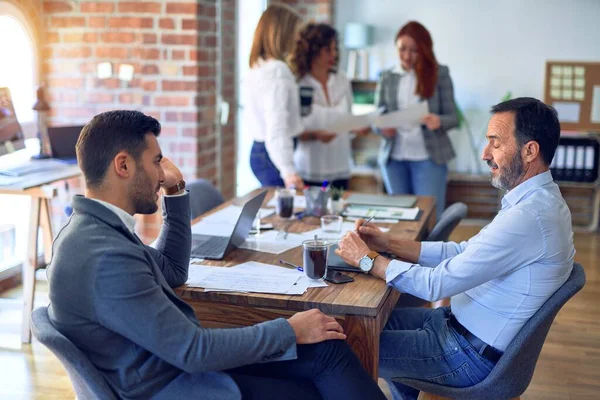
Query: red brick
[
  {"x": 178, "y": 54},
  {"x": 189, "y": 117},
  {"x": 129, "y": 98},
  {"x": 97, "y": 7},
  {"x": 57, "y": 7},
  {"x": 74, "y": 37},
  {"x": 179, "y": 86},
  {"x": 63, "y": 83},
  {"x": 179, "y": 39},
  {"x": 145, "y": 54},
  {"x": 149, "y": 86},
  {"x": 207, "y": 11},
  {"x": 130, "y": 22},
  {"x": 181, "y": 8},
  {"x": 202, "y": 55},
  {"x": 209, "y": 40},
  {"x": 67, "y": 22},
  {"x": 52, "y": 37},
  {"x": 140, "y": 7},
  {"x": 110, "y": 83},
  {"x": 190, "y": 70},
  {"x": 168, "y": 131},
  {"x": 97, "y": 22},
  {"x": 166, "y": 23},
  {"x": 175, "y": 101},
  {"x": 150, "y": 69},
  {"x": 74, "y": 52},
  {"x": 149, "y": 38},
  {"x": 111, "y": 52},
  {"x": 118, "y": 37},
  {"x": 99, "y": 98}
]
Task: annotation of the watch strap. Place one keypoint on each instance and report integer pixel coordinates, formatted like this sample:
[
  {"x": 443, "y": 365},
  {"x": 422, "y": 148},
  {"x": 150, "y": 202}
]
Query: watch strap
[
  {"x": 178, "y": 187},
  {"x": 372, "y": 255}
]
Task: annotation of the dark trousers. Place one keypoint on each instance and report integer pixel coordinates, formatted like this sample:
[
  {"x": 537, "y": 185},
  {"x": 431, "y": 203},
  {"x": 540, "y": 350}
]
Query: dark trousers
[
  {"x": 327, "y": 370},
  {"x": 263, "y": 168}
]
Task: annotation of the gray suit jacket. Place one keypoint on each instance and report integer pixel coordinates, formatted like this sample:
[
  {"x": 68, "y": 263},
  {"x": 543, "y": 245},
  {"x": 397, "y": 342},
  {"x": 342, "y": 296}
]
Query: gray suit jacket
[
  {"x": 441, "y": 103},
  {"x": 111, "y": 295}
]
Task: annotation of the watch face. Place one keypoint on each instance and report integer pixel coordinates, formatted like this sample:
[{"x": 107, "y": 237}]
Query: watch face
[{"x": 365, "y": 264}]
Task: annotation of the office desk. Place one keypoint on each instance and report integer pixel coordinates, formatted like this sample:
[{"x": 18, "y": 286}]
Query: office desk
[
  {"x": 35, "y": 186},
  {"x": 362, "y": 307}
]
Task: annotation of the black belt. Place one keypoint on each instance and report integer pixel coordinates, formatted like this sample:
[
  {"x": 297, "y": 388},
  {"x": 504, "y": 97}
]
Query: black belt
[{"x": 488, "y": 352}]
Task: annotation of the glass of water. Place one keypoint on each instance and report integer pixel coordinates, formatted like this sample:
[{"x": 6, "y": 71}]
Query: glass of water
[{"x": 331, "y": 225}]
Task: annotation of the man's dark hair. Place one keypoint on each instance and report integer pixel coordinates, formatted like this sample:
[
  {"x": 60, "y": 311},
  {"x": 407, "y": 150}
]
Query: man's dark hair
[
  {"x": 534, "y": 120},
  {"x": 106, "y": 135}
]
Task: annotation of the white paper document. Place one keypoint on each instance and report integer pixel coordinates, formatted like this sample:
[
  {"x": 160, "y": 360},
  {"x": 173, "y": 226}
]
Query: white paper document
[
  {"x": 351, "y": 122},
  {"x": 411, "y": 115},
  {"x": 274, "y": 270},
  {"x": 233, "y": 279},
  {"x": 273, "y": 242},
  {"x": 388, "y": 213}
]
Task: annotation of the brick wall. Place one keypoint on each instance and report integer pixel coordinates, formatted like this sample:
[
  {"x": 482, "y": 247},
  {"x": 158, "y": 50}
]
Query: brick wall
[
  {"x": 173, "y": 47},
  {"x": 317, "y": 10}
]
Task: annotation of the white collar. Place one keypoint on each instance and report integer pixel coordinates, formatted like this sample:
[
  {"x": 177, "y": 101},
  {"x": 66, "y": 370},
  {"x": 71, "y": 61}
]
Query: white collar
[{"x": 124, "y": 216}]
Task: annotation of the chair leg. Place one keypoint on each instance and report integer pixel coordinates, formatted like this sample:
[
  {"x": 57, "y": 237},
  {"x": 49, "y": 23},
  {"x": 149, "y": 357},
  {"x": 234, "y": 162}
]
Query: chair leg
[{"x": 429, "y": 396}]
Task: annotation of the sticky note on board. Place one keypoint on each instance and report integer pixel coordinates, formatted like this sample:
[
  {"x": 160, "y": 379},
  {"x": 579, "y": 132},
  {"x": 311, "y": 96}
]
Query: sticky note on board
[
  {"x": 567, "y": 94},
  {"x": 579, "y": 95},
  {"x": 579, "y": 82},
  {"x": 579, "y": 72},
  {"x": 567, "y": 71},
  {"x": 555, "y": 81},
  {"x": 555, "y": 94},
  {"x": 567, "y": 82},
  {"x": 556, "y": 70}
]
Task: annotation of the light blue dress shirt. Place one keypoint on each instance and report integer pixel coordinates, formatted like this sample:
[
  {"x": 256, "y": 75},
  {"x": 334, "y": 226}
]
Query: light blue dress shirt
[{"x": 501, "y": 276}]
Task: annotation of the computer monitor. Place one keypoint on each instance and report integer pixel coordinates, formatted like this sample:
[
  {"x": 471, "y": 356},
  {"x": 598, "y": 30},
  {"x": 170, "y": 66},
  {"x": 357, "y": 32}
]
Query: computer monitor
[{"x": 11, "y": 134}]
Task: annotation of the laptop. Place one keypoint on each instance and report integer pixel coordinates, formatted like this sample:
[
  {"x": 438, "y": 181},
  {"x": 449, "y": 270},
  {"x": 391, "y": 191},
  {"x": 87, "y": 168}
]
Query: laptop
[
  {"x": 62, "y": 142},
  {"x": 217, "y": 247}
]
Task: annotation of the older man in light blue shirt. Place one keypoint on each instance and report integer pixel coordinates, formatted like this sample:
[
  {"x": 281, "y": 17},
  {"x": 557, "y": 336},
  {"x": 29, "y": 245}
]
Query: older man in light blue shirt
[{"x": 497, "y": 280}]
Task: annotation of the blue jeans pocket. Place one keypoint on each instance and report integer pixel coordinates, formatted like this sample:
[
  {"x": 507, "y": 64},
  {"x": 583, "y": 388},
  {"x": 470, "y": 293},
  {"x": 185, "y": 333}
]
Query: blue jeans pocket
[{"x": 460, "y": 377}]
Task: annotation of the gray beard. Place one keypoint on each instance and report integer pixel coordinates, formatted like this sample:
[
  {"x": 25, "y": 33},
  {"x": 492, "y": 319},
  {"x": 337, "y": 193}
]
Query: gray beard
[{"x": 507, "y": 179}]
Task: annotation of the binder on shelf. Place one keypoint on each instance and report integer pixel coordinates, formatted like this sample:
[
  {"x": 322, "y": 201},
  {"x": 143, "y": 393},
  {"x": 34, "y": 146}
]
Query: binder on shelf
[
  {"x": 560, "y": 162},
  {"x": 579, "y": 163},
  {"x": 590, "y": 172},
  {"x": 569, "y": 163}
]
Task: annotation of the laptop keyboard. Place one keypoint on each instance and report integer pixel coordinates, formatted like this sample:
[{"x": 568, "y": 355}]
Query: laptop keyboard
[{"x": 209, "y": 246}]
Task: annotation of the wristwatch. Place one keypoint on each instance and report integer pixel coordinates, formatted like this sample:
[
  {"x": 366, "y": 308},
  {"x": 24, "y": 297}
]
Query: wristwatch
[
  {"x": 367, "y": 261},
  {"x": 178, "y": 187}
]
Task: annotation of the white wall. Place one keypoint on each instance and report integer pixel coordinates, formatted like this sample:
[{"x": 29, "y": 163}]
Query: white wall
[{"x": 490, "y": 46}]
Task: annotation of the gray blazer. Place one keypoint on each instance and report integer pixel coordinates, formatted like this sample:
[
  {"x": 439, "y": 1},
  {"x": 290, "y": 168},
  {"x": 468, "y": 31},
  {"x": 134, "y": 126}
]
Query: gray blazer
[
  {"x": 441, "y": 103},
  {"x": 111, "y": 295}
]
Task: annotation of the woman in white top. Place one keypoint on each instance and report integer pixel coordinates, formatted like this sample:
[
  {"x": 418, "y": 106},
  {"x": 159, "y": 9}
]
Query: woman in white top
[
  {"x": 325, "y": 157},
  {"x": 271, "y": 99}
]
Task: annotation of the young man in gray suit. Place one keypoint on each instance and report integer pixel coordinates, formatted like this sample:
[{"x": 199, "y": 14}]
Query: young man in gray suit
[{"x": 111, "y": 294}]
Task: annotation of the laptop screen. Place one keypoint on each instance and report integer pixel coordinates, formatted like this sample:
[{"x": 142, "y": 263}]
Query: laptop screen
[
  {"x": 63, "y": 140},
  {"x": 244, "y": 223}
]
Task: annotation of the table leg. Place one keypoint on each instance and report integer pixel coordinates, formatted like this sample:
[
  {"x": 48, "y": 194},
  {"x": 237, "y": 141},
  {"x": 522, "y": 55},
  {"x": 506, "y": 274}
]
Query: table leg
[
  {"x": 29, "y": 267},
  {"x": 363, "y": 337}
]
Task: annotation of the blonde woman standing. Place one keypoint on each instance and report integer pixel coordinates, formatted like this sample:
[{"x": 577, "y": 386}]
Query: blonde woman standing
[{"x": 271, "y": 101}]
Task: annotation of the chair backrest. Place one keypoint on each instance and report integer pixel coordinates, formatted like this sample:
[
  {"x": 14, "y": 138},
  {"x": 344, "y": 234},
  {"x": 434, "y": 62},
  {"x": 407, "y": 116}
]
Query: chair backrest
[
  {"x": 512, "y": 374},
  {"x": 86, "y": 379},
  {"x": 449, "y": 220},
  {"x": 203, "y": 196}
]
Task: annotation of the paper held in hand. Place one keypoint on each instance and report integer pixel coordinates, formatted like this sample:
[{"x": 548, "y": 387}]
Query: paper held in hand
[{"x": 411, "y": 115}]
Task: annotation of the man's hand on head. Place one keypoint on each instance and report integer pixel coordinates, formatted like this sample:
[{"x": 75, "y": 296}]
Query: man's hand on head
[{"x": 172, "y": 174}]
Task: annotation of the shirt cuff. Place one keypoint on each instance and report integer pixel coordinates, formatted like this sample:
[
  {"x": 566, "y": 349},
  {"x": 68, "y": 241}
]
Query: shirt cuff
[
  {"x": 177, "y": 195},
  {"x": 395, "y": 269},
  {"x": 431, "y": 253}
]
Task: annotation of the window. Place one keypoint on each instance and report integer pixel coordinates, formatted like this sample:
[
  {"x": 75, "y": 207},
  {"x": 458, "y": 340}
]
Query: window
[{"x": 18, "y": 72}]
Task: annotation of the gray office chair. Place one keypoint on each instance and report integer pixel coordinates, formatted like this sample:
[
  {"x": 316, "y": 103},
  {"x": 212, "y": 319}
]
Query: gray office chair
[
  {"x": 203, "y": 196},
  {"x": 512, "y": 374},
  {"x": 87, "y": 381},
  {"x": 449, "y": 220},
  {"x": 441, "y": 232}
]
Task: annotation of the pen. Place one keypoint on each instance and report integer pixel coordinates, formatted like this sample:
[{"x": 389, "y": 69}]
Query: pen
[
  {"x": 291, "y": 265},
  {"x": 366, "y": 222}
]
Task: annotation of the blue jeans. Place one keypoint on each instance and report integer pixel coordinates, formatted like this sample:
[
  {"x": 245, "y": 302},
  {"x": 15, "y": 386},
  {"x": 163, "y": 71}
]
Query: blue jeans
[
  {"x": 327, "y": 370},
  {"x": 419, "y": 343},
  {"x": 263, "y": 168},
  {"x": 422, "y": 178}
]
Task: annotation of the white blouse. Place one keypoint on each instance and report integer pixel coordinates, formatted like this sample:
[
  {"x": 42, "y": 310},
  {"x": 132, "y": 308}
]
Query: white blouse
[
  {"x": 315, "y": 160},
  {"x": 271, "y": 103},
  {"x": 409, "y": 144}
]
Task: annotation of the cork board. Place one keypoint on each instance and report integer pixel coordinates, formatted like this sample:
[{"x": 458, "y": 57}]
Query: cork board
[{"x": 573, "y": 88}]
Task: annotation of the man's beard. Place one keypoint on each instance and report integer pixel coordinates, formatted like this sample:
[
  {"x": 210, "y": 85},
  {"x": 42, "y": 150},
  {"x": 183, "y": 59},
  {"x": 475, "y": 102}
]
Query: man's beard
[
  {"x": 508, "y": 177},
  {"x": 143, "y": 194}
]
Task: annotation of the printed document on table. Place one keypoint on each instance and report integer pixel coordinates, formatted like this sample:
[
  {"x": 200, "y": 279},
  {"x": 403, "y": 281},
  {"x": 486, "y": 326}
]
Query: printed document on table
[
  {"x": 397, "y": 213},
  {"x": 239, "y": 280},
  {"x": 350, "y": 122},
  {"x": 273, "y": 270},
  {"x": 273, "y": 242},
  {"x": 411, "y": 115}
]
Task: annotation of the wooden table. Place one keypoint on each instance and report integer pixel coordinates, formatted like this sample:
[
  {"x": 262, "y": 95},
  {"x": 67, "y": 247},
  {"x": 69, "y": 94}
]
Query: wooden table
[
  {"x": 35, "y": 186},
  {"x": 362, "y": 307}
]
